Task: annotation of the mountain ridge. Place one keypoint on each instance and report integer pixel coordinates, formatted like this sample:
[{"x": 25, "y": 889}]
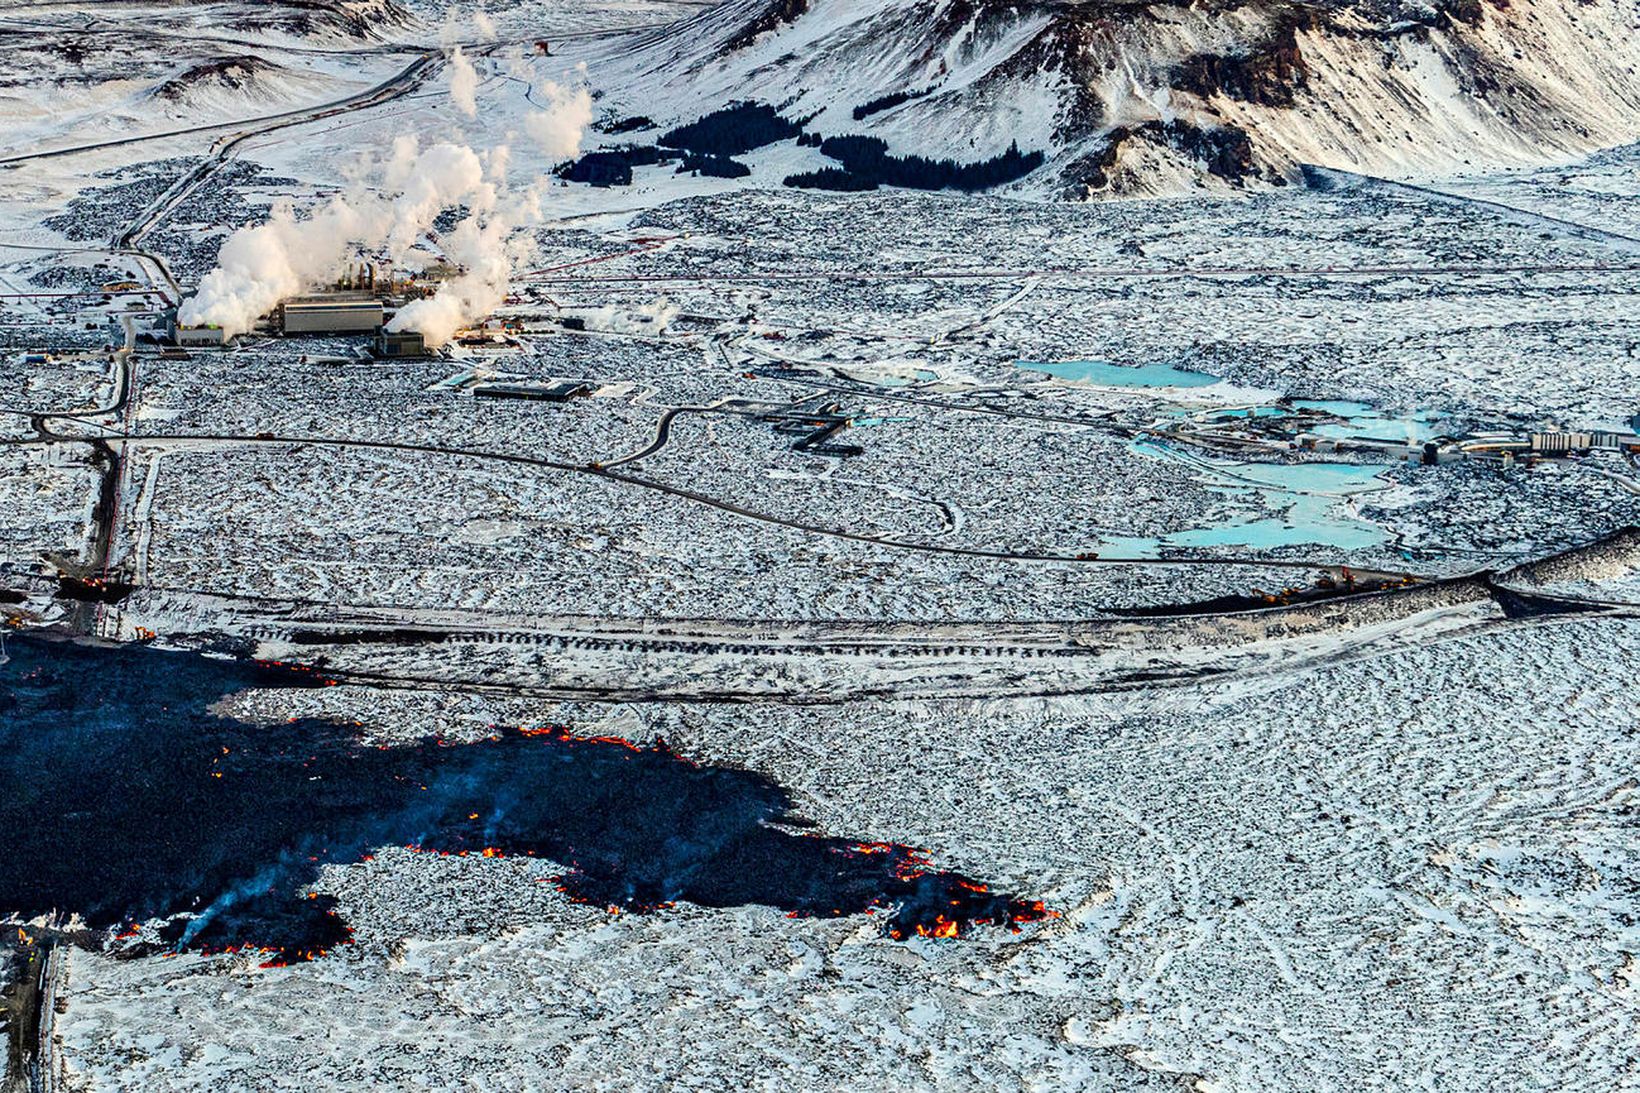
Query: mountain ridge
[{"x": 1126, "y": 97}]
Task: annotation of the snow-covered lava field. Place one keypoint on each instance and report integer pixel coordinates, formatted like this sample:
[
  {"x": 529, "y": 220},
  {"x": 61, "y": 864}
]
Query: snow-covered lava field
[{"x": 792, "y": 639}]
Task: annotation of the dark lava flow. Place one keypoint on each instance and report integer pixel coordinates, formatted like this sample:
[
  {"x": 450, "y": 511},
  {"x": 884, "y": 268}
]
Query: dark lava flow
[{"x": 123, "y": 798}]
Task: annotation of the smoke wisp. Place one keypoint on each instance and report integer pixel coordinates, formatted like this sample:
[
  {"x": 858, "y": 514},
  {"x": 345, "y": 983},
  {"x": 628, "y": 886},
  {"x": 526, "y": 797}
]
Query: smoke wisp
[{"x": 557, "y": 128}]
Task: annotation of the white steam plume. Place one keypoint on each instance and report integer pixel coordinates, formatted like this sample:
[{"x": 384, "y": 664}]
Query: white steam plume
[
  {"x": 558, "y": 128},
  {"x": 481, "y": 244},
  {"x": 445, "y": 175},
  {"x": 496, "y": 164},
  {"x": 482, "y": 250},
  {"x": 463, "y": 81},
  {"x": 650, "y": 319},
  {"x": 262, "y": 265},
  {"x": 483, "y": 23}
]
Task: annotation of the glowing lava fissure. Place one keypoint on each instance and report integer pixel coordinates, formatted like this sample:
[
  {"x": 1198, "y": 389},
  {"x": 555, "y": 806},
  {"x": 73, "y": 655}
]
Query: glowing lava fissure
[{"x": 126, "y": 799}]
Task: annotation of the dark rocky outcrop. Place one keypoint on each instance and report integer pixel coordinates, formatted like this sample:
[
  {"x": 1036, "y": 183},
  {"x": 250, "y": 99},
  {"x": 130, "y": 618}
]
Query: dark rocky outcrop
[
  {"x": 1235, "y": 89},
  {"x": 1269, "y": 74},
  {"x": 227, "y": 73},
  {"x": 777, "y": 13}
]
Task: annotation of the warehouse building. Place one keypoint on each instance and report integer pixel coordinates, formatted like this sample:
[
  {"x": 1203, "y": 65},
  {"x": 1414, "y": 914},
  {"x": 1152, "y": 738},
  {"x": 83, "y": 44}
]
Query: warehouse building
[
  {"x": 331, "y": 315},
  {"x": 559, "y": 391},
  {"x": 400, "y": 343},
  {"x": 196, "y": 337},
  {"x": 1569, "y": 443}
]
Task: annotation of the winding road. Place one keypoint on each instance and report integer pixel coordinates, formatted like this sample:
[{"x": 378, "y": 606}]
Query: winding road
[{"x": 1334, "y": 569}]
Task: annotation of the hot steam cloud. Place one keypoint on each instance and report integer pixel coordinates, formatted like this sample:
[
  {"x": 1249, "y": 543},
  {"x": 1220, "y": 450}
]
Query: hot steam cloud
[
  {"x": 262, "y": 265},
  {"x": 558, "y": 128},
  {"x": 389, "y": 209},
  {"x": 483, "y": 249},
  {"x": 463, "y": 80}
]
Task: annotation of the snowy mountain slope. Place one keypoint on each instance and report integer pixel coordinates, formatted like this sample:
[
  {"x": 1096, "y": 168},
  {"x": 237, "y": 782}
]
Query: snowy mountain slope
[
  {"x": 1129, "y": 97},
  {"x": 76, "y": 74}
]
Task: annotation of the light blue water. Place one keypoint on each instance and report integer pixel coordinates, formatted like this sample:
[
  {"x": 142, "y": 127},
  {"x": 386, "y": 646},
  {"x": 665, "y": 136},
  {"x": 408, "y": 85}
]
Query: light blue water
[
  {"x": 1241, "y": 412},
  {"x": 452, "y": 383},
  {"x": 921, "y": 375},
  {"x": 1325, "y": 479},
  {"x": 1107, "y": 374},
  {"x": 1307, "y": 497},
  {"x": 1361, "y": 419}
]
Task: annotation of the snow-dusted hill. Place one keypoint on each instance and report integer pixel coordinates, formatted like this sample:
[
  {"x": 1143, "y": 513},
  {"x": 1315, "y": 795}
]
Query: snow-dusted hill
[{"x": 1130, "y": 97}]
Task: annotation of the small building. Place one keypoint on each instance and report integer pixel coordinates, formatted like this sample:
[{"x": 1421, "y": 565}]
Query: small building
[
  {"x": 204, "y": 336},
  {"x": 1560, "y": 443},
  {"x": 199, "y": 336},
  {"x": 331, "y": 315},
  {"x": 1578, "y": 443},
  {"x": 1568, "y": 443},
  {"x": 193, "y": 337},
  {"x": 401, "y": 343},
  {"x": 562, "y": 391}
]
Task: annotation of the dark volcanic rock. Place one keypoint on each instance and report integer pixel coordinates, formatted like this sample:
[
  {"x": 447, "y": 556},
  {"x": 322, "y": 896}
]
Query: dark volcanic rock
[
  {"x": 777, "y": 13},
  {"x": 1233, "y": 89},
  {"x": 126, "y": 796}
]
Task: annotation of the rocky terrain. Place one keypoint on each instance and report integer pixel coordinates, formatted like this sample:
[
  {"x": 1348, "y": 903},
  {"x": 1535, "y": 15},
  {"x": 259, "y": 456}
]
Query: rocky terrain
[{"x": 1157, "y": 97}]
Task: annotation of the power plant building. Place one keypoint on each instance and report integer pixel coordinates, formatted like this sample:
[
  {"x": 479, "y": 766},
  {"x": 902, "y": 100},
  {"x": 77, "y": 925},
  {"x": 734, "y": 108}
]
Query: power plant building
[
  {"x": 1565, "y": 443},
  {"x": 400, "y": 343},
  {"x": 193, "y": 337},
  {"x": 197, "y": 337},
  {"x": 331, "y": 315}
]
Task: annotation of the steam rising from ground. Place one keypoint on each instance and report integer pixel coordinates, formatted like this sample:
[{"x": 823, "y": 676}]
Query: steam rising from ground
[
  {"x": 487, "y": 256},
  {"x": 559, "y": 127},
  {"x": 463, "y": 83},
  {"x": 650, "y": 319},
  {"x": 389, "y": 210}
]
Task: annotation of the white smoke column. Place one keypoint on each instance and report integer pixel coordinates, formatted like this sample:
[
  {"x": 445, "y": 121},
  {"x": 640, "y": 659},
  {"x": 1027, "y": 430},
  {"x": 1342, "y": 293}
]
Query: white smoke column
[
  {"x": 445, "y": 175},
  {"x": 481, "y": 245},
  {"x": 650, "y": 319},
  {"x": 558, "y": 129},
  {"x": 261, "y": 265},
  {"x": 484, "y": 24},
  {"x": 264, "y": 264},
  {"x": 496, "y": 164},
  {"x": 481, "y": 249},
  {"x": 463, "y": 81}
]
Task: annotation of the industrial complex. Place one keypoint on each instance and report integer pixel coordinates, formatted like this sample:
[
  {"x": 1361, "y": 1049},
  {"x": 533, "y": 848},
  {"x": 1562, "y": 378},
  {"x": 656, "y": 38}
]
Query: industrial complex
[
  {"x": 361, "y": 302},
  {"x": 338, "y": 313}
]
